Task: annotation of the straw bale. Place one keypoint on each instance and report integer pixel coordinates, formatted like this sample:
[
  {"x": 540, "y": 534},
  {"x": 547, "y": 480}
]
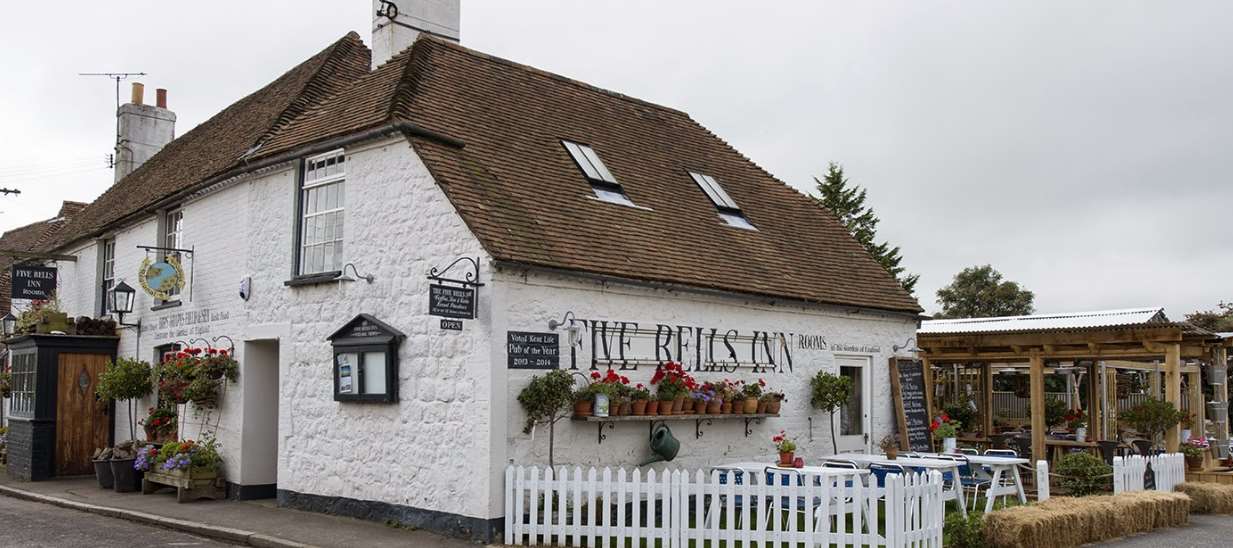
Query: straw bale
[
  {"x": 1065, "y": 521},
  {"x": 1208, "y": 498}
]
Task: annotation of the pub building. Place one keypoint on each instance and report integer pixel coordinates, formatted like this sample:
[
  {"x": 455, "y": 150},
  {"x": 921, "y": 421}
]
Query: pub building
[{"x": 396, "y": 240}]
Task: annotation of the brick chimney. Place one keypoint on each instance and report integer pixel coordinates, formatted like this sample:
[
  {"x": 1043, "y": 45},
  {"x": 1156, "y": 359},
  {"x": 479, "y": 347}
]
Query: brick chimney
[
  {"x": 144, "y": 129},
  {"x": 397, "y": 23}
]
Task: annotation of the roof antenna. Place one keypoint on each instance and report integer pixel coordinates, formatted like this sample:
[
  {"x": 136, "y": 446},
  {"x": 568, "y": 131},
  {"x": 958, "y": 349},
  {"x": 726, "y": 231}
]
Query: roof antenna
[{"x": 117, "y": 76}]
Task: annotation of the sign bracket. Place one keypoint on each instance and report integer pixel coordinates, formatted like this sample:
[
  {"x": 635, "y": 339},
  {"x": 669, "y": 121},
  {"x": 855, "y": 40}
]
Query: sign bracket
[{"x": 470, "y": 278}]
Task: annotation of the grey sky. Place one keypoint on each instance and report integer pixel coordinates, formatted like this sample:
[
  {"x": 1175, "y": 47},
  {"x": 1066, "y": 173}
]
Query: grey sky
[{"x": 1082, "y": 148}]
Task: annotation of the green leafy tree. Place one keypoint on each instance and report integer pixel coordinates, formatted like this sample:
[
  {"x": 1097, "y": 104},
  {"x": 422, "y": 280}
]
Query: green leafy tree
[
  {"x": 1219, "y": 320},
  {"x": 828, "y": 392},
  {"x": 980, "y": 292},
  {"x": 847, "y": 201},
  {"x": 125, "y": 379},
  {"x": 546, "y": 400}
]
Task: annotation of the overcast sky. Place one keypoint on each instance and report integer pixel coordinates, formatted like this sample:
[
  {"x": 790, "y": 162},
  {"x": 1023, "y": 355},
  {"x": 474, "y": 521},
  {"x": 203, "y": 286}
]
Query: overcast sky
[{"x": 1082, "y": 148}]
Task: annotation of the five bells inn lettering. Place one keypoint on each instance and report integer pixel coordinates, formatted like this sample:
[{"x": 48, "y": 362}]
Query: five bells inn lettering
[{"x": 33, "y": 282}]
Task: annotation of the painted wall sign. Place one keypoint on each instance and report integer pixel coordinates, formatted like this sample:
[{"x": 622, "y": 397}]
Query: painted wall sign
[
  {"x": 451, "y": 302},
  {"x": 161, "y": 279},
  {"x": 529, "y": 350},
  {"x": 33, "y": 282},
  {"x": 451, "y": 325},
  {"x": 911, "y": 404}
]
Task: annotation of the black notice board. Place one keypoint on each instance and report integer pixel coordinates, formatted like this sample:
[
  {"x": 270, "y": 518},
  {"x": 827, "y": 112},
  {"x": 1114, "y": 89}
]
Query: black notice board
[
  {"x": 33, "y": 282},
  {"x": 911, "y": 404},
  {"x": 451, "y": 302},
  {"x": 529, "y": 350}
]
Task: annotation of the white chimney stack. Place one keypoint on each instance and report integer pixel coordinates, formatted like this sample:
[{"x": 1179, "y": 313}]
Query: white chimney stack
[
  {"x": 144, "y": 130},
  {"x": 397, "y": 23}
]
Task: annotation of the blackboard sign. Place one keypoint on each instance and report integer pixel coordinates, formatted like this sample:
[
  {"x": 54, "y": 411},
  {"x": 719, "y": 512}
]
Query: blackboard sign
[
  {"x": 451, "y": 302},
  {"x": 533, "y": 350},
  {"x": 33, "y": 282},
  {"x": 911, "y": 404}
]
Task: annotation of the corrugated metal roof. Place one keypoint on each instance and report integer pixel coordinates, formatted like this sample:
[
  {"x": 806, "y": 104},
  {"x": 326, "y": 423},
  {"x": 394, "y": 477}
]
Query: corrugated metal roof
[
  {"x": 1042, "y": 322},
  {"x": 1226, "y": 335}
]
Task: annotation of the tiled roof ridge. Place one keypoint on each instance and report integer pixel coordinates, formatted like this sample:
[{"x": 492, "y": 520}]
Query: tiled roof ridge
[{"x": 521, "y": 66}]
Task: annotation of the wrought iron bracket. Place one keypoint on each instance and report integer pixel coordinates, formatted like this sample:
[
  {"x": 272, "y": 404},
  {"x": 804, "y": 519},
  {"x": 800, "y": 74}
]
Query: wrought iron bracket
[
  {"x": 470, "y": 278},
  {"x": 698, "y": 427},
  {"x": 748, "y": 430},
  {"x": 599, "y": 430}
]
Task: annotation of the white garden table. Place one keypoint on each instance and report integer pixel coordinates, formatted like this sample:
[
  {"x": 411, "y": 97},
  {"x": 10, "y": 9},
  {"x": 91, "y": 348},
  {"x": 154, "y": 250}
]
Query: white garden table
[
  {"x": 1000, "y": 467},
  {"x": 955, "y": 492}
]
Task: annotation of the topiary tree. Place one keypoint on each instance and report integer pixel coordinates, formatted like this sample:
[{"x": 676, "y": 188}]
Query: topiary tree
[
  {"x": 1152, "y": 417},
  {"x": 125, "y": 379},
  {"x": 546, "y": 400},
  {"x": 1082, "y": 473},
  {"x": 828, "y": 393}
]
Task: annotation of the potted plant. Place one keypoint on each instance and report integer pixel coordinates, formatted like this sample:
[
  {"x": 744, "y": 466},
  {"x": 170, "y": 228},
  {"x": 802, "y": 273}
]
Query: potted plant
[
  {"x": 190, "y": 466},
  {"x": 1077, "y": 421},
  {"x": 727, "y": 393},
  {"x": 546, "y": 400},
  {"x": 1193, "y": 450},
  {"x": 160, "y": 423},
  {"x": 963, "y": 412},
  {"x": 889, "y": 446},
  {"x": 947, "y": 429},
  {"x": 1152, "y": 418},
  {"x": 673, "y": 384},
  {"x": 609, "y": 388},
  {"x": 640, "y": 397},
  {"x": 584, "y": 399},
  {"x": 773, "y": 401},
  {"x": 829, "y": 392},
  {"x": 714, "y": 398},
  {"x": 752, "y": 391},
  {"x": 1055, "y": 412},
  {"x": 102, "y": 468},
  {"x": 124, "y": 379},
  {"x": 786, "y": 448},
  {"x": 1186, "y": 423}
]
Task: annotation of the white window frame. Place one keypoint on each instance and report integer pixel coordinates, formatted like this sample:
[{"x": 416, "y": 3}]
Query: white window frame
[
  {"x": 107, "y": 270},
  {"x": 603, "y": 183},
  {"x": 728, "y": 210},
  {"x": 312, "y": 180},
  {"x": 173, "y": 238}
]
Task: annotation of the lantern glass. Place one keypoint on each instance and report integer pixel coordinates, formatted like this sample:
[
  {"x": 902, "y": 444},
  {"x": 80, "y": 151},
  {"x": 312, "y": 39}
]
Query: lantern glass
[
  {"x": 121, "y": 298},
  {"x": 9, "y": 322}
]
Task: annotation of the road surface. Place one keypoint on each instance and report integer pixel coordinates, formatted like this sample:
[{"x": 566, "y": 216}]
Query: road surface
[{"x": 27, "y": 524}]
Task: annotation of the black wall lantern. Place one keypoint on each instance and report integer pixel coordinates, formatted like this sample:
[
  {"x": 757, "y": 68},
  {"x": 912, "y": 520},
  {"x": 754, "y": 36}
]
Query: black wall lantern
[
  {"x": 9, "y": 322},
  {"x": 120, "y": 301},
  {"x": 366, "y": 360}
]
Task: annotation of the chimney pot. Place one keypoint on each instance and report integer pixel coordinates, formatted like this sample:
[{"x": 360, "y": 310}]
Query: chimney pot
[
  {"x": 139, "y": 92},
  {"x": 160, "y": 95}
]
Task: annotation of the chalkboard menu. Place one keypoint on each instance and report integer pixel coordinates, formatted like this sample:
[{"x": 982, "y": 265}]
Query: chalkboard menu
[
  {"x": 911, "y": 404},
  {"x": 451, "y": 302},
  {"x": 533, "y": 350}
]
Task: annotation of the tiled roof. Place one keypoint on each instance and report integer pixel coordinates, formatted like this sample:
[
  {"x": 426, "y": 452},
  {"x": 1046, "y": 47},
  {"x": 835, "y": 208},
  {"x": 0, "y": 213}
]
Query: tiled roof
[
  {"x": 217, "y": 144},
  {"x": 32, "y": 237},
  {"x": 1047, "y": 322}
]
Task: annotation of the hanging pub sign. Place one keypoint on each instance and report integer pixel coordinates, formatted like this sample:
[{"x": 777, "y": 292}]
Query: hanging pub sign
[
  {"x": 454, "y": 297},
  {"x": 529, "y": 350},
  {"x": 161, "y": 279},
  {"x": 33, "y": 282}
]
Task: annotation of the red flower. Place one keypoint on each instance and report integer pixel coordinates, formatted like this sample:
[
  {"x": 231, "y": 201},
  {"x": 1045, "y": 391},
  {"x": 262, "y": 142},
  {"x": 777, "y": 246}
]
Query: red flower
[
  {"x": 761, "y": 382},
  {"x": 595, "y": 375}
]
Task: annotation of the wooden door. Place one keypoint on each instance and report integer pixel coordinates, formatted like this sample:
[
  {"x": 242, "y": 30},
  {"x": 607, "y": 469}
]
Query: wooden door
[{"x": 82, "y": 423}]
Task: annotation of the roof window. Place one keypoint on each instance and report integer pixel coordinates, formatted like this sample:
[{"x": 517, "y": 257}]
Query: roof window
[
  {"x": 728, "y": 210},
  {"x": 604, "y": 185}
]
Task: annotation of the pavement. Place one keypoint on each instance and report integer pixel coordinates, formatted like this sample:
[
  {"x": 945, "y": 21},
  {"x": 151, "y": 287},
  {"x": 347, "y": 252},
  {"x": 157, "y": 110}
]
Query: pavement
[
  {"x": 36, "y": 525},
  {"x": 245, "y": 523},
  {"x": 1204, "y": 530}
]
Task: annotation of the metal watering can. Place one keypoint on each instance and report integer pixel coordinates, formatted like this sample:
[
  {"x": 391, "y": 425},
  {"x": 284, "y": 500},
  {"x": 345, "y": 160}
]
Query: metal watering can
[{"x": 663, "y": 444}]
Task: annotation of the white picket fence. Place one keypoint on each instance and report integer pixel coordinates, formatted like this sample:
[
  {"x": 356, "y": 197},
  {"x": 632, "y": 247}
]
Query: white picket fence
[
  {"x": 680, "y": 509},
  {"x": 1128, "y": 472}
]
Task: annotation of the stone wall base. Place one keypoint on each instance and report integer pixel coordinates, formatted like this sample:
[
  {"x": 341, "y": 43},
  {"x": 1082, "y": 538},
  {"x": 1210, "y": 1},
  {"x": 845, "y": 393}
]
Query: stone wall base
[{"x": 464, "y": 527}]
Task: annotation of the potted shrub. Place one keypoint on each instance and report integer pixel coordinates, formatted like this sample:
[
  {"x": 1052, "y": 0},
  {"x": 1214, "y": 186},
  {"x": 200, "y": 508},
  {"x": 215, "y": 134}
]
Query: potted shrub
[
  {"x": 639, "y": 397},
  {"x": 947, "y": 429},
  {"x": 1152, "y": 418},
  {"x": 773, "y": 401},
  {"x": 1193, "y": 449},
  {"x": 546, "y": 400},
  {"x": 1077, "y": 422},
  {"x": 786, "y": 448},
  {"x": 160, "y": 423},
  {"x": 124, "y": 379},
  {"x": 584, "y": 399},
  {"x": 828, "y": 392},
  {"x": 672, "y": 384},
  {"x": 752, "y": 391},
  {"x": 889, "y": 446},
  {"x": 727, "y": 393},
  {"x": 102, "y": 468}
]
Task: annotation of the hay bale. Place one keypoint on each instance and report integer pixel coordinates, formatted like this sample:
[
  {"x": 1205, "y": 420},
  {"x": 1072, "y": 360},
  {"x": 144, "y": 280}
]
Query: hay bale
[
  {"x": 1208, "y": 498},
  {"x": 1065, "y": 521}
]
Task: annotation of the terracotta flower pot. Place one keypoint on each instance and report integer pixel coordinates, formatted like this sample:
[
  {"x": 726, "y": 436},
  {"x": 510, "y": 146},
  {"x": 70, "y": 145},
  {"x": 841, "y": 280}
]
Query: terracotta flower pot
[
  {"x": 726, "y": 408},
  {"x": 652, "y": 407},
  {"x": 714, "y": 407},
  {"x": 582, "y": 408},
  {"x": 700, "y": 406},
  {"x": 639, "y": 407},
  {"x": 665, "y": 407},
  {"x": 773, "y": 406},
  {"x": 1194, "y": 463},
  {"x": 738, "y": 407},
  {"x": 751, "y": 406},
  {"x": 786, "y": 458},
  {"x": 762, "y": 406},
  {"x": 687, "y": 406},
  {"x": 678, "y": 405}
]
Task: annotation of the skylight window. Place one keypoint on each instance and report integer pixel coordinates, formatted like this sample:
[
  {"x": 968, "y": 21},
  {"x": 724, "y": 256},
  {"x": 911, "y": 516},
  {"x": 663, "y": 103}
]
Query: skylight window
[
  {"x": 728, "y": 210},
  {"x": 604, "y": 185}
]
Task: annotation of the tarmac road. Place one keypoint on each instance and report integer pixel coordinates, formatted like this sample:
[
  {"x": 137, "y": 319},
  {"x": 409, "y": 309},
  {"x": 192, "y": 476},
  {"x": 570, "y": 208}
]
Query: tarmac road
[
  {"x": 29, "y": 524},
  {"x": 1203, "y": 531}
]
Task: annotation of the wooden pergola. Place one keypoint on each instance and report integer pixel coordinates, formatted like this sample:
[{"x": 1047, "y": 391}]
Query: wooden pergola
[{"x": 1142, "y": 339}]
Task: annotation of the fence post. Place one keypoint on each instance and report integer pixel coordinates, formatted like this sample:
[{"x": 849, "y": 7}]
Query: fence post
[
  {"x": 1119, "y": 475},
  {"x": 1042, "y": 480}
]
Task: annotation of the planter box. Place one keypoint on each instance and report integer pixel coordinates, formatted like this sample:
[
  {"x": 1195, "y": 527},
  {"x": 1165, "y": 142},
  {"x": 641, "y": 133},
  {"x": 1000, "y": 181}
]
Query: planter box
[{"x": 189, "y": 484}]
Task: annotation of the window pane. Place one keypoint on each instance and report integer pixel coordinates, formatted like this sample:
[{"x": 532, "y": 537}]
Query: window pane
[
  {"x": 611, "y": 196},
  {"x": 587, "y": 169},
  {"x": 348, "y": 370},
  {"x": 599, "y": 165},
  {"x": 851, "y": 415},
  {"x": 734, "y": 219},
  {"x": 374, "y": 372}
]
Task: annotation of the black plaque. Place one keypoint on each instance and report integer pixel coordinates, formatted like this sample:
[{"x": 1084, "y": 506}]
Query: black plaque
[
  {"x": 913, "y": 407},
  {"x": 451, "y": 325},
  {"x": 529, "y": 350},
  {"x": 451, "y": 302},
  {"x": 33, "y": 282}
]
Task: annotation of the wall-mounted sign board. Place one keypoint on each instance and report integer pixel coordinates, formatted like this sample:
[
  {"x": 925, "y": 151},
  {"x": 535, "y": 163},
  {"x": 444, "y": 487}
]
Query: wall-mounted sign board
[
  {"x": 451, "y": 325},
  {"x": 451, "y": 302},
  {"x": 529, "y": 350},
  {"x": 911, "y": 402},
  {"x": 33, "y": 282}
]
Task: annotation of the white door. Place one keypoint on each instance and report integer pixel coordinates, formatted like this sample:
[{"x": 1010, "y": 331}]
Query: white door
[{"x": 852, "y": 422}]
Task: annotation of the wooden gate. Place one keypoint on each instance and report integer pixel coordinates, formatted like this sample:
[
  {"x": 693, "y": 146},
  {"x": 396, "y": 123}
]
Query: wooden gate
[{"x": 81, "y": 422}]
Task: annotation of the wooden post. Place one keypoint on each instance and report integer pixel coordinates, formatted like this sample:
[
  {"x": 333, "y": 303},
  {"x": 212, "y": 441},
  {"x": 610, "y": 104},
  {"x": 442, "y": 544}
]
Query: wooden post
[
  {"x": 928, "y": 370},
  {"x": 1173, "y": 391},
  {"x": 1038, "y": 408},
  {"x": 987, "y": 398},
  {"x": 1222, "y": 395},
  {"x": 1093, "y": 402},
  {"x": 1111, "y": 397},
  {"x": 1198, "y": 411}
]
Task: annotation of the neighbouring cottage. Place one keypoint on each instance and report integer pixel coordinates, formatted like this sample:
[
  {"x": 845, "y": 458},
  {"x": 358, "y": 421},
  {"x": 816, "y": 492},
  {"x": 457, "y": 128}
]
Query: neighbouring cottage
[{"x": 318, "y": 223}]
